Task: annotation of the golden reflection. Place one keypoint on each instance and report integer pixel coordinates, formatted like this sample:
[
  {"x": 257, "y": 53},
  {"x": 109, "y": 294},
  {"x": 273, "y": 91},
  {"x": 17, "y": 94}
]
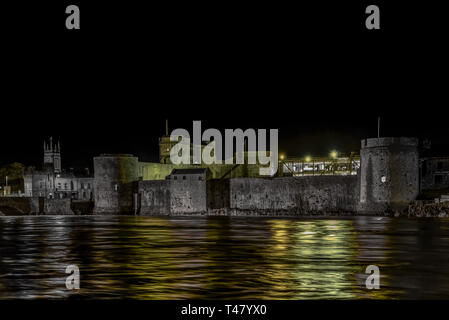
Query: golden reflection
[{"x": 223, "y": 257}]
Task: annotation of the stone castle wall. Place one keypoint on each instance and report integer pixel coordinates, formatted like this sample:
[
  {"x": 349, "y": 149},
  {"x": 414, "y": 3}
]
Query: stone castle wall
[
  {"x": 188, "y": 196},
  {"x": 159, "y": 171},
  {"x": 293, "y": 196},
  {"x": 299, "y": 195},
  {"x": 154, "y": 197},
  {"x": 163, "y": 197}
]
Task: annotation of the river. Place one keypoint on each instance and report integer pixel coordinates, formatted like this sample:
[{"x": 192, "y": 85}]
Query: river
[{"x": 223, "y": 258}]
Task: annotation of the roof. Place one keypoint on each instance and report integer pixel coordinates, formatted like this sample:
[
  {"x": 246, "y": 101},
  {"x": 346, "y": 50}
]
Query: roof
[{"x": 189, "y": 171}]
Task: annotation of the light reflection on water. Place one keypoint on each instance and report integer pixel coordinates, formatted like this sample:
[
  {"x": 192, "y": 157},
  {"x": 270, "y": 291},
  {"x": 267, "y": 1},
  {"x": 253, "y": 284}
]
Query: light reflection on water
[{"x": 223, "y": 258}]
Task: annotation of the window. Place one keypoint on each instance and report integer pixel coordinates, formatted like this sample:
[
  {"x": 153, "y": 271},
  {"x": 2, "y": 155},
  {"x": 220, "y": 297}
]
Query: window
[
  {"x": 440, "y": 165},
  {"x": 88, "y": 186},
  {"x": 183, "y": 177},
  {"x": 82, "y": 185},
  {"x": 200, "y": 178},
  {"x": 175, "y": 178}
]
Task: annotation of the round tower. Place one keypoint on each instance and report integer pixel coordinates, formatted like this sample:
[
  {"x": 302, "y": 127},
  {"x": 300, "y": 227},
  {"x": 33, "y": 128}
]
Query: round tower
[
  {"x": 389, "y": 173},
  {"x": 115, "y": 181}
]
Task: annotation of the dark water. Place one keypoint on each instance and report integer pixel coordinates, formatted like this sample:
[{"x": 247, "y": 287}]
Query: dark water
[{"x": 223, "y": 258}]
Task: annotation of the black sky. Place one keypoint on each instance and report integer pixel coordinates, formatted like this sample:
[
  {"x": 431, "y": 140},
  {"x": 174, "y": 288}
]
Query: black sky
[{"x": 311, "y": 71}]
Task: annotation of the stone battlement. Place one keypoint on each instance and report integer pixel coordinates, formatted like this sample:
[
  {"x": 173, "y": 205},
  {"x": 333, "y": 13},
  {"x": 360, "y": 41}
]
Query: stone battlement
[{"x": 389, "y": 141}]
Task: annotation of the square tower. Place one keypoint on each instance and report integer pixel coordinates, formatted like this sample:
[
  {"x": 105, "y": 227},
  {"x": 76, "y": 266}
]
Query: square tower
[{"x": 52, "y": 156}]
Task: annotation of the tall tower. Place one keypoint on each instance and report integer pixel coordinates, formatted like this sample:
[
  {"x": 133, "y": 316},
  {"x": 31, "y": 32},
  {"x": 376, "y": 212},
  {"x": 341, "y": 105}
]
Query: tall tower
[
  {"x": 52, "y": 156},
  {"x": 165, "y": 146},
  {"x": 389, "y": 173}
]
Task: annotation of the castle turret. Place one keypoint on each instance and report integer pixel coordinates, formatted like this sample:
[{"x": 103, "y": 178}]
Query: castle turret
[
  {"x": 389, "y": 173},
  {"x": 116, "y": 176}
]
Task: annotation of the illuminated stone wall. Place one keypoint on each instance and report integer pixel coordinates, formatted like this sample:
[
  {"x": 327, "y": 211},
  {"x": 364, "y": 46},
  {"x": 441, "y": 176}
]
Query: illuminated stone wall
[
  {"x": 188, "y": 193},
  {"x": 159, "y": 171},
  {"x": 295, "y": 195},
  {"x": 180, "y": 194},
  {"x": 154, "y": 197}
]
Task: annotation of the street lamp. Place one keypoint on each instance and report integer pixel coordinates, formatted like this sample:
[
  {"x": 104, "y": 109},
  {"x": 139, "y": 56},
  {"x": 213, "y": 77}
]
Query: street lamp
[{"x": 334, "y": 154}]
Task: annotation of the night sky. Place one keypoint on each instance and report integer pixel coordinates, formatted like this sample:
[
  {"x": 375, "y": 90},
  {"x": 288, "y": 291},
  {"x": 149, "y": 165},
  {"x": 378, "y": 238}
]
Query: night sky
[{"x": 315, "y": 75}]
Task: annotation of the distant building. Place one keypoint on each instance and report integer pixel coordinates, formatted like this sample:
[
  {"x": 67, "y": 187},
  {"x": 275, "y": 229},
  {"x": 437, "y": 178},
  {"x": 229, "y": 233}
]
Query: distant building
[
  {"x": 52, "y": 182},
  {"x": 434, "y": 173},
  {"x": 319, "y": 166}
]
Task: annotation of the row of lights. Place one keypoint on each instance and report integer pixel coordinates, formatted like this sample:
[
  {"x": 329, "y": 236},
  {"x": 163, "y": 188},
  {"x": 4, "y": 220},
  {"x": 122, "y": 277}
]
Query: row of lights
[{"x": 333, "y": 154}]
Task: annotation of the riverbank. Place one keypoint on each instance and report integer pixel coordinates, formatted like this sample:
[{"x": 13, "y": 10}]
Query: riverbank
[
  {"x": 421, "y": 209},
  {"x": 22, "y": 206}
]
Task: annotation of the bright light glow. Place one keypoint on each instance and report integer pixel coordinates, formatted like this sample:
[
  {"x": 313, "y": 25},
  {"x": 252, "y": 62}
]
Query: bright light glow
[
  {"x": 334, "y": 154},
  {"x": 282, "y": 156},
  {"x": 308, "y": 158}
]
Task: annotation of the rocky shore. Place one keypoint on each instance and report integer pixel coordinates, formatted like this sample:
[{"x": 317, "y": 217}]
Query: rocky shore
[{"x": 421, "y": 209}]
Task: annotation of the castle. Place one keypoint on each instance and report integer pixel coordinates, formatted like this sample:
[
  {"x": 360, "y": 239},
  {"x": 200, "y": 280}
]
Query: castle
[{"x": 389, "y": 174}]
